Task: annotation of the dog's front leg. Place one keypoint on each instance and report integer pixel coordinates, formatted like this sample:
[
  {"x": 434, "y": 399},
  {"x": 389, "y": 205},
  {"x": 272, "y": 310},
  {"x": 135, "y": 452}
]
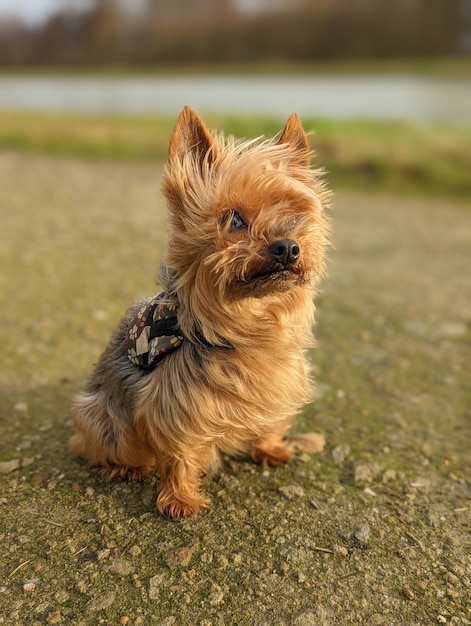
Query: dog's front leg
[{"x": 179, "y": 493}]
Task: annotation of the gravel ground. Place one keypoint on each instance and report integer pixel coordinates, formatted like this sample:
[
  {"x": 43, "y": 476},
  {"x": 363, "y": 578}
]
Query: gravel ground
[{"x": 375, "y": 530}]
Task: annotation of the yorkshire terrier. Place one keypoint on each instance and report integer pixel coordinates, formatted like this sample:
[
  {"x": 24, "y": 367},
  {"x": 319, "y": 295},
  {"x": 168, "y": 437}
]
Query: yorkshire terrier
[{"x": 216, "y": 363}]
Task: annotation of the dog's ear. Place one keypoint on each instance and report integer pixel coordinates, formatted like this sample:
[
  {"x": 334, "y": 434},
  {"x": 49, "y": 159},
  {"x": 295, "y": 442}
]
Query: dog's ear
[
  {"x": 191, "y": 136},
  {"x": 294, "y": 135}
]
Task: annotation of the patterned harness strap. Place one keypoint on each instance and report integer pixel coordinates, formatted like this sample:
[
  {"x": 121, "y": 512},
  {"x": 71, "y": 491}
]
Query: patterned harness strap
[{"x": 153, "y": 331}]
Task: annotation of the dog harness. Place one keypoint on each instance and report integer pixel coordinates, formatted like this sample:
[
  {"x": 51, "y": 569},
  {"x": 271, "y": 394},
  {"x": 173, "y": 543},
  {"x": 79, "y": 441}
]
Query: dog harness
[{"x": 153, "y": 331}]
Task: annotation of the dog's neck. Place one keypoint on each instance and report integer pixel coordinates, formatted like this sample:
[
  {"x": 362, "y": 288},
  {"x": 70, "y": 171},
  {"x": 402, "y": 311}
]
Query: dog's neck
[{"x": 246, "y": 324}]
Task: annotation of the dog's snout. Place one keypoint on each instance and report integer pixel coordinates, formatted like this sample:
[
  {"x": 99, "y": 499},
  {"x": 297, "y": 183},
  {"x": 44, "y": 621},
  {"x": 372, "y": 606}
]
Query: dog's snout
[{"x": 285, "y": 251}]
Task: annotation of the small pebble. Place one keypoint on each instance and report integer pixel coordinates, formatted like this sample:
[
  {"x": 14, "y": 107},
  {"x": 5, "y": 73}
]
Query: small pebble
[
  {"x": 104, "y": 554},
  {"x": 9, "y": 466},
  {"x": 54, "y": 617},
  {"x": 216, "y": 598},
  {"x": 104, "y": 601},
  {"x": 30, "y": 585},
  {"x": 222, "y": 562},
  {"x": 82, "y": 586},
  {"x": 417, "y": 327},
  {"x": 361, "y": 532},
  {"x": 155, "y": 583},
  {"x": 180, "y": 556},
  {"x": 452, "y": 579},
  {"x": 366, "y": 472},
  {"x": 340, "y": 453},
  {"x": 123, "y": 567},
  {"x": 389, "y": 476},
  {"x": 310, "y": 619},
  {"x": 452, "y": 329},
  {"x": 134, "y": 550},
  {"x": 291, "y": 492},
  {"x": 62, "y": 596}
]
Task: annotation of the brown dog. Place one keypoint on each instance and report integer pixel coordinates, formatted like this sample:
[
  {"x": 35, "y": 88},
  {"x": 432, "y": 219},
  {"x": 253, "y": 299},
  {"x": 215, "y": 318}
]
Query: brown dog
[{"x": 216, "y": 363}]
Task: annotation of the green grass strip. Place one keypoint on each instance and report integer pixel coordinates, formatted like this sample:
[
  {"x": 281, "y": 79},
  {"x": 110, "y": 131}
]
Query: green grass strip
[{"x": 394, "y": 156}]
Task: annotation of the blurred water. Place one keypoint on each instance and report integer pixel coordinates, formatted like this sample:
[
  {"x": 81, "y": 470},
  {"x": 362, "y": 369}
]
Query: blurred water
[{"x": 423, "y": 99}]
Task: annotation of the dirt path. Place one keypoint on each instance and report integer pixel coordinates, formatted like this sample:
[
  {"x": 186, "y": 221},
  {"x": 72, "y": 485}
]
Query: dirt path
[{"x": 376, "y": 530}]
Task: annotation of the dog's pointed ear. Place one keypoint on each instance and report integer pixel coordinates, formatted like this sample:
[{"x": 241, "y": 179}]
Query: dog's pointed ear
[
  {"x": 294, "y": 135},
  {"x": 191, "y": 136}
]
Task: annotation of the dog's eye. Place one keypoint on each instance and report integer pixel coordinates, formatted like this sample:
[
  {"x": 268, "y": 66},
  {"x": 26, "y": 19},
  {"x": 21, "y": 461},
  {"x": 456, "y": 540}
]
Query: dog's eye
[{"x": 235, "y": 221}]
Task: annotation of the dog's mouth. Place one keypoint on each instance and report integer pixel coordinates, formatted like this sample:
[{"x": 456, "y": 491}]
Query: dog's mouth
[
  {"x": 274, "y": 275},
  {"x": 269, "y": 281}
]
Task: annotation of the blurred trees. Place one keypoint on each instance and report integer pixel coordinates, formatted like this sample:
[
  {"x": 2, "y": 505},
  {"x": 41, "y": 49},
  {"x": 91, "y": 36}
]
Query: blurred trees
[{"x": 206, "y": 31}]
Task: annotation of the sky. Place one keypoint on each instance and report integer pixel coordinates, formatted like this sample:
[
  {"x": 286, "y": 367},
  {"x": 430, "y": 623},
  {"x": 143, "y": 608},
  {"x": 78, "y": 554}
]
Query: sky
[{"x": 34, "y": 12}]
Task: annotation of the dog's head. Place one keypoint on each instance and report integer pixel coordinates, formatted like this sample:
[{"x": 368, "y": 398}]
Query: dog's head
[{"x": 247, "y": 217}]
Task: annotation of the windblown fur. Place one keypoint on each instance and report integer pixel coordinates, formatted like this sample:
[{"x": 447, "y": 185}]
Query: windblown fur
[{"x": 248, "y": 234}]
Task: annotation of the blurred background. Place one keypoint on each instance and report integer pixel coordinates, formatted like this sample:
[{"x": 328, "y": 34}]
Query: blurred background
[
  {"x": 84, "y": 32},
  {"x": 392, "y": 77}
]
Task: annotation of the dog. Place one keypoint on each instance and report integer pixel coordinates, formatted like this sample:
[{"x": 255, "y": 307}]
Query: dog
[{"x": 215, "y": 364}]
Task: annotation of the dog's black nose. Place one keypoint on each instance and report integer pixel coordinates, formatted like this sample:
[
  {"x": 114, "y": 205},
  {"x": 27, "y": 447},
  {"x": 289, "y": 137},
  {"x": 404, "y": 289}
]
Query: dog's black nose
[{"x": 285, "y": 251}]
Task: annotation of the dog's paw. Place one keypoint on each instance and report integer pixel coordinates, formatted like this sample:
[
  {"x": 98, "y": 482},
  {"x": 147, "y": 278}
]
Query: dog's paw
[
  {"x": 126, "y": 472},
  {"x": 176, "y": 507},
  {"x": 272, "y": 457}
]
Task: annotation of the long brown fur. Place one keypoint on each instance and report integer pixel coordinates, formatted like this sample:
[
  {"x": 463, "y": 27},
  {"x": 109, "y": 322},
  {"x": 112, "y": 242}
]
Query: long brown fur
[{"x": 241, "y": 374}]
